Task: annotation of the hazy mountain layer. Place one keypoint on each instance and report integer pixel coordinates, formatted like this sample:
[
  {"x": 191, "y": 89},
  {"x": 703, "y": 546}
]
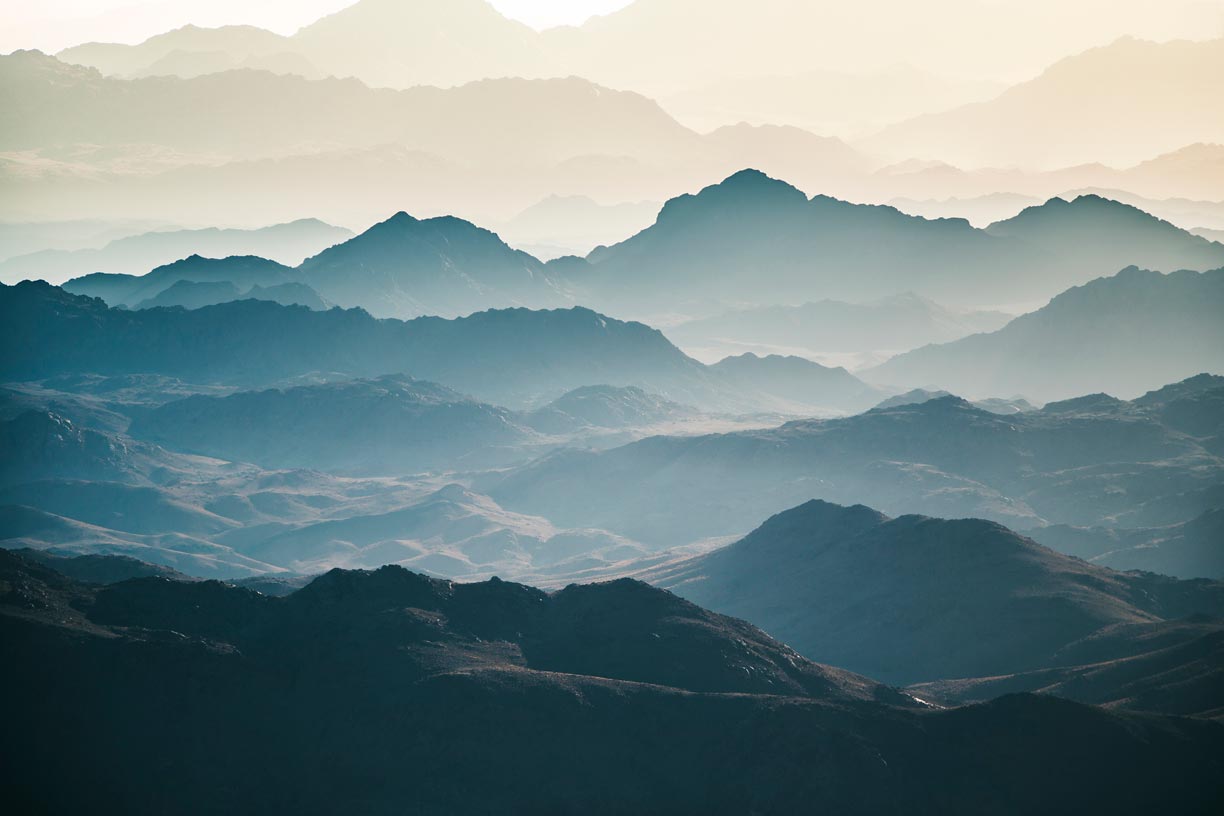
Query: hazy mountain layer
[
  {"x": 828, "y": 328},
  {"x": 755, "y": 239},
  {"x": 1130, "y": 333},
  {"x": 512, "y": 357},
  {"x": 1096, "y": 461},
  {"x": 393, "y": 425},
  {"x": 136, "y": 255},
  {"x": 1193, "y": 549},
  {"x": 1114, "y": 105}
]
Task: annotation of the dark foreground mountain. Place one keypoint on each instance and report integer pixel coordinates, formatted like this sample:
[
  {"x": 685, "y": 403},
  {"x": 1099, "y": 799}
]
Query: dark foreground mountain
[
  {"x": 100, "y": 569},
  {"x": 1095, "y": 461},
  {"x": 513, "y": 357},
  {"x": 1129, "y": 333},
  {"x": 917, "y": 598},
  {"x": 389, "y": 692}
]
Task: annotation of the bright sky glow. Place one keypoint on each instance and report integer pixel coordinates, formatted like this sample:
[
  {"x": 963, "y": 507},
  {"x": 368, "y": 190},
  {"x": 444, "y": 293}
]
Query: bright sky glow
[{"x": 51, "y": 25}]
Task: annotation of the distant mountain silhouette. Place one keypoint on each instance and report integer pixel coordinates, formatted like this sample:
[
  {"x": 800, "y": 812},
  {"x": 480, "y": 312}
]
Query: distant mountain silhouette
[
  {"x": 630, "y": 696},
  {"x": 514, "y": 357},
  {"x": 240, "y": 272},
  {"x": 1116, "y": 105},
  {"x": 574, "y": 225},
  {"x": 758, "y": 239},
  {"x": 191, "y": 295},
  {"x": 250, "y": 137},
  {"x": 1075, "y": 230},
  {"x": 902, "y": 321},
  {"x": 186, "y": 51},
  {"x": 995, "y": 405},
  {"x": 136, "y": 255},
  {"x": 1083, "y": 464},
  {"x": 1130, "y": 333},
  {"x": 798, "y": 380},
  {"x": 900, "y": 598},
  {"x": 839, "y": 103},
  {"x": 404, "y": 267}
]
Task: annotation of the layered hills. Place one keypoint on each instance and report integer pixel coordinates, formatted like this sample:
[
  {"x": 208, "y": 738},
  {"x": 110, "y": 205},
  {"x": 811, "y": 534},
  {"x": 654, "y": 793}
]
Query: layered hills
[
  {"x": 1091, "y": 461},
  {"x": 512, "y": 357}
]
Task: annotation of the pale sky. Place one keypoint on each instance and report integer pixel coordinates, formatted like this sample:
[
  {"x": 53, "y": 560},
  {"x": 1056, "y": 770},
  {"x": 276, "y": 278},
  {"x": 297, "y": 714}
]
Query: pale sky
[{"x": 51, "y": 25}]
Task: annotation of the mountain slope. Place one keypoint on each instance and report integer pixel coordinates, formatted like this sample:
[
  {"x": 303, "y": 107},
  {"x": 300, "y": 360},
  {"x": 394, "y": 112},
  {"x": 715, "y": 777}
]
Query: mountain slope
[
  {"x": 1131, "y": 333},
  {"x": 901, "y": 598},
  {"x": 1173, "y": 668}
]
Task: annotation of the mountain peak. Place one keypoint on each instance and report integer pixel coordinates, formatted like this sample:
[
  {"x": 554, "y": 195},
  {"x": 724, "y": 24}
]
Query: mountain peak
[
  {"x": 809, "y": 523},
  {"x": 744, "y": 193}
]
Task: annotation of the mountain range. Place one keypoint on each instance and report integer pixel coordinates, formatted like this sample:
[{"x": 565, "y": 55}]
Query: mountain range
[
  {"x": 1157, "y": 98},
  {"x": 755, "y": 239},
  {"x": 1130, "y": 333},
  {"x": 514, "y": 357},
  {"x": 434, "y": 43},
  {"x": 137, "y": 254},
  {"x": 750, "y": 240},
  {"x": 829, "y": 329},
  {"x": 501, "y": 682},
  {"x": 393, "y": 425},
  {"x": 90, "y": 145},
  {"x": 1086, "y": 462}
]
